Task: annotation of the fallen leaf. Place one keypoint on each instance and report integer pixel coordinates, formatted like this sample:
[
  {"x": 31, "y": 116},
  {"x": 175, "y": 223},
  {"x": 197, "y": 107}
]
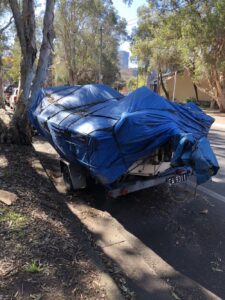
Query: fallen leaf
[
  {"x": 216, "y": 269},
  {"x": 175, "y": 296},
  {"x": 124, "y": 289},
  {"x": 36, "y": 296},
  {"x": 7, "y": 198}
]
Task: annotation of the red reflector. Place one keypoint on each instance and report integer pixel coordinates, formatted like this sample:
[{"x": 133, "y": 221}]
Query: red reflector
[
  {"x": 124, "y": 191},
  {"x": 180, "y": 172}
]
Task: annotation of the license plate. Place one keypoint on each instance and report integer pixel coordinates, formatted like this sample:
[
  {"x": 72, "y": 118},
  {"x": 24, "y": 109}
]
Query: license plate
[{"x": 177, "y": 179}]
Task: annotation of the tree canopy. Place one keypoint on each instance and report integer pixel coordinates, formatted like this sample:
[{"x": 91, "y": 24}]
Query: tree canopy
[
  {"x": 86, "y": 30},
  {"x": 190, "y": 34}
]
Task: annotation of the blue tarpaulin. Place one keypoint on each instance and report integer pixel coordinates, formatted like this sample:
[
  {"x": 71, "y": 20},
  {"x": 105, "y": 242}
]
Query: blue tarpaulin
[{"x": 107, "y": 132}]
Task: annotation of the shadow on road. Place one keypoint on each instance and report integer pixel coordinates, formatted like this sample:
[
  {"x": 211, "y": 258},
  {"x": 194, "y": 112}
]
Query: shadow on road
[{"x": 188, "y": 235}]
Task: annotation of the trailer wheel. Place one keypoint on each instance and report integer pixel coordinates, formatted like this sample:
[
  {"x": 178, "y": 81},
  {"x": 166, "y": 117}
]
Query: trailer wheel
[{"x": 67, "y": 179}]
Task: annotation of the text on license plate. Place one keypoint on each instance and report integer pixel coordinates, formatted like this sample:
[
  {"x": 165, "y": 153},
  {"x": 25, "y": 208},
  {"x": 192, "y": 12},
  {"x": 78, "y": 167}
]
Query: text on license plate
[{"x": 177, "y": 179}]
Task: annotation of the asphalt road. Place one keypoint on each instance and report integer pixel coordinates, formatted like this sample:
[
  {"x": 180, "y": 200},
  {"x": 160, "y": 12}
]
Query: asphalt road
[
  {"x": 217, "y": 139},
  {"x": 190, "y": 234}
]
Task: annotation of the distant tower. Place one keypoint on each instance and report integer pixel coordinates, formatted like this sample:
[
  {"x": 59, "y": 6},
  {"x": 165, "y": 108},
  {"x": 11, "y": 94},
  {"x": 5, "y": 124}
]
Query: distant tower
[{"x": 123, "y": 59}]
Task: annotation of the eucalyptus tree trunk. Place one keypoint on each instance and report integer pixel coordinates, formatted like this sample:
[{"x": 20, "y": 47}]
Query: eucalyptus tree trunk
[
  {"x": 1, "y": 83},
  {"x": 31, "y": 80},
  {"x": 219, "y": 93},
  {"x": 221, "y": 102},
  {"x": 213, "y": 105},
  {"x": 196, "y": 92},
  {"x": 220, "y": 89},
  {"x": 45, "y": 50},
  {"x": 216, "y": 89},
  {"x": 1, "y": 63},
  {"x": 163, "y": 85}
]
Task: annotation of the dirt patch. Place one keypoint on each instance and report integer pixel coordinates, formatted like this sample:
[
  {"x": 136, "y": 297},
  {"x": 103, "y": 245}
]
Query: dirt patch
[{"x": 43, "y": 254}]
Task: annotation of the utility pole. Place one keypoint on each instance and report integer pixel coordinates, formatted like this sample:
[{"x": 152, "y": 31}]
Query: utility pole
[
  {"x": 1, "y": 82},
  {"x": 174, "y": 85},
  {"x": 100, "y": 57}
]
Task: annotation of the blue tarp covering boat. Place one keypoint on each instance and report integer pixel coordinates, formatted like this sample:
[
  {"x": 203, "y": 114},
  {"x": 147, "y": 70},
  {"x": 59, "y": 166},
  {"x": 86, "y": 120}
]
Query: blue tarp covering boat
[{"x": 107, "y": 132}]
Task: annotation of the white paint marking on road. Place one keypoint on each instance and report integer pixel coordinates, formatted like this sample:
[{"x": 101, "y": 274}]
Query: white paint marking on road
[{"x": 208, "y": 192}]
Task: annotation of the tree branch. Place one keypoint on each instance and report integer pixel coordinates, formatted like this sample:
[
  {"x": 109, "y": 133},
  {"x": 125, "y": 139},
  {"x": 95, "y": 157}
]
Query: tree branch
[
  {"x": 26, "y": 32},
  {"x": 6, "y": 26},
  {"x": 46, "y": 48},
  {"x": 14, "y": 5}
]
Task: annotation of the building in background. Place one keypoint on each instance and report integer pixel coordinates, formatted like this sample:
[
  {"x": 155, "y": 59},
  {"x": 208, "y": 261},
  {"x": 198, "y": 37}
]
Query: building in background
[
  {"x": 126, "y": 73},
  {"x": 182, "y": 87},
  {"x": 123, "y": 59}
]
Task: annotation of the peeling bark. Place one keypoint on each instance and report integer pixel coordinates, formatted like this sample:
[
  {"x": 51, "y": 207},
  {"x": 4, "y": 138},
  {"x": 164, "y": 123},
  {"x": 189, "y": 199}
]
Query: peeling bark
[
  {"x": 25, "y": 27},
  {"x": 46, "y": 48}
]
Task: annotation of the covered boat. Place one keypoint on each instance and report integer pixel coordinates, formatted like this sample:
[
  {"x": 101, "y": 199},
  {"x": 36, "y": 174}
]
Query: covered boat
[{"x": 111, "y": 135}]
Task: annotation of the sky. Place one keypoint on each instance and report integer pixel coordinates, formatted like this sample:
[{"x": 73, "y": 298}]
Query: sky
[{"x": 130, "y": 14}]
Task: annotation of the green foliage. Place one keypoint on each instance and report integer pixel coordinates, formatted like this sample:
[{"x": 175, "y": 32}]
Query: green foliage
[
  {"x": 154, "y": 42},
  {"x": 191, "y": 99},
  {"x": 12, "y": 62},
  {"x": 132, "y": 83},
  {"x": 136, "y": 82},
  {"x": 177, "y": 35},
  {"x": 78, "y": 26},
  {"x": 129, "y": 2},
  {"x": 15, "y": 220},
  {"x": 33, "y": 267}
]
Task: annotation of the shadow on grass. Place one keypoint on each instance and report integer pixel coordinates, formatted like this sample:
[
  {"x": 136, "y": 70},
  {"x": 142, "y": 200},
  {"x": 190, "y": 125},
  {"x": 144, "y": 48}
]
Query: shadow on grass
[{"x": 43, "y": 251}]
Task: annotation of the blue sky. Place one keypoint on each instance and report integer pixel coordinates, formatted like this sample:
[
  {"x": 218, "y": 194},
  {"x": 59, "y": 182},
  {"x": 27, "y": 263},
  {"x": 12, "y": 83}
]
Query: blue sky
[{"x": 128, "y": 12}]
